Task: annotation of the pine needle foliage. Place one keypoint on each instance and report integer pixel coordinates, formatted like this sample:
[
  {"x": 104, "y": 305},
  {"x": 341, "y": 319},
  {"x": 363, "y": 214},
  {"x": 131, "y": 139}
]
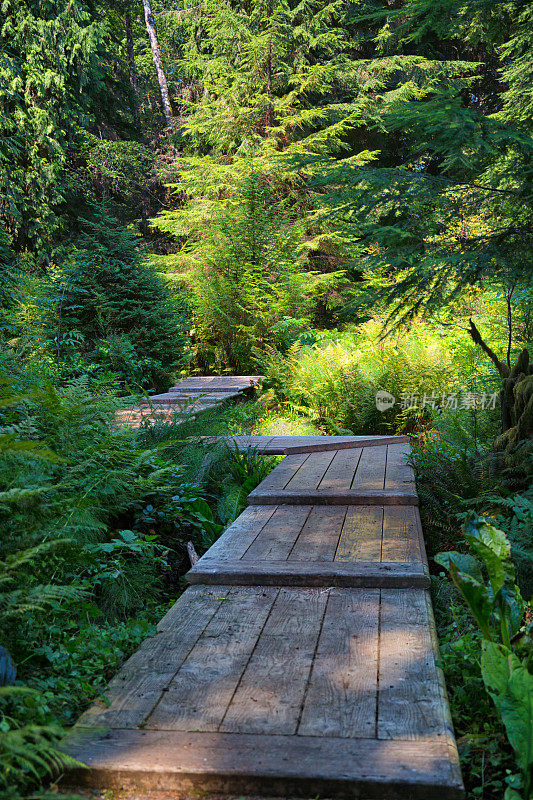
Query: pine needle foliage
[
  {"x": 250, "y": 278},
  {"x": 105, "y": 306}
]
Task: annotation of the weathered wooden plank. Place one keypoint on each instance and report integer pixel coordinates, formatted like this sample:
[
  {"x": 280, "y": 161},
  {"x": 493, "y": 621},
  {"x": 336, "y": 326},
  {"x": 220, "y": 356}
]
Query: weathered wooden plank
[
  {"x": 411, "y": 704},
  {"x": 351, "y": 442},
  {"x": 399, "y": 473},
  {"x": 136, "y": 689},
  {"x": 239, "y": 764},
  {"x": 340, "y": 473},
  {"x": 278, "y": 535},
  {"x": 269, "y": 697},
  {"x": 281, "y": 475},
  {"x": 370, "y": 474},
  {"x": 311, "y": 472},
  {"x": 286, "y": 445},
  {"x": 311, "y": 573},
  {"x": 342, "y": 695},
  {"x": 360, "y": 539},
  {"x": 401, "y": 540},
  {"x": 319, "y": 536},
  {"x": 262, "y": 496},
  {"x": 452, "y": 744},
  {"x": 198, "y": 696},
  {"x": 186, "y": 401},
  {"x": 236, "y": 540},
  {"x": 208, "y": 396}
]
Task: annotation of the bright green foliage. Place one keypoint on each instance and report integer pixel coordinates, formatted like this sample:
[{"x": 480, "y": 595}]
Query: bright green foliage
[
  {"x": 497, "y": 606},
  {"x": 269, "y": 67},
  {"x": 334, "y": 379},
  {"x": 94, "y": 517},
  {"x": 507, "y": 660},
  {"x": 447, "y": 203},
  {"x": 510, "y": 684},
  {"x": 249, "y": 275}
]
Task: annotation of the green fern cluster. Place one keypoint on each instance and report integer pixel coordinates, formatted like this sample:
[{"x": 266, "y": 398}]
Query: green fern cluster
[{"x": 338, "y": 376}]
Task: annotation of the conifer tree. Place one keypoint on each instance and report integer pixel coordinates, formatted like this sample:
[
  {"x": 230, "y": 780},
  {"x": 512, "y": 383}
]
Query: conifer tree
[
  {"x": 247, "y": 264},
  {"x": 53, "y": 77},
  {"x": 112, "y": 299}
]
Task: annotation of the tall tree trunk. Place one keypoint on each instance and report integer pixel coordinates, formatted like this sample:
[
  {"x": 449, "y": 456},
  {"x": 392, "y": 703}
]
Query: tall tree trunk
[
  {"x": 132, "y": 70},
  {"x": 156, "y": 55}
]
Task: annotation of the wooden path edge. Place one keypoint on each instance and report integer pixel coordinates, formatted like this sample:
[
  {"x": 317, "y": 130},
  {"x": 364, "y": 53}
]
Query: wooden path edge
[
  {"x": 276, "y": 445},
  {"x": 256, "y": 764},
  {"x": 261, "y": 497},
  {"x": 376, "y": 575}
]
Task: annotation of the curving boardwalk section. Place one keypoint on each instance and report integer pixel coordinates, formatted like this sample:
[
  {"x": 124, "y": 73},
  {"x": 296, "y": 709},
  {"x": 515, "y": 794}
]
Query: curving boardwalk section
[{"x": 302, "y": 660}]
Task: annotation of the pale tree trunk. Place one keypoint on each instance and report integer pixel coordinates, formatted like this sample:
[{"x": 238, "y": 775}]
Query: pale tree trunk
[{"x": 156, "y": 55}]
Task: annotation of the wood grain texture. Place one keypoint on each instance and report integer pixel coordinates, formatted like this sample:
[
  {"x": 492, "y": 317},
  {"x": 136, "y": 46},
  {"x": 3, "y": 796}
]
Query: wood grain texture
[
  {"x": 370, "y": 474},
  {"x": 236, "y": 540},
  {"x": 311, "y": 472},
  {"x": 198, "y": 696},
  {"x": 311, "y": 573},
  {"x": 270, "y": 694},
  {"x": 286, "y": 445},
  {"x": 399, "y": 473},
  {"x": 411, "y": 704},
  {"x": 278, "y": 535},
  {"x": 265, "y": 496},
  {"x": 219, "y": 383},
  {"x": 318, "y": 539},
  {"x": 302, "y": 660},
  {"x": 138, "y": 686},
  {"x": 361, "y": 535},
  {"x": 240, "y": 764},
  {"x": 282, "y": 474},
  {"x": 342, "y": 696},
  {"x": 401, "y": 541},
  {"x": 339, "y": 474}
]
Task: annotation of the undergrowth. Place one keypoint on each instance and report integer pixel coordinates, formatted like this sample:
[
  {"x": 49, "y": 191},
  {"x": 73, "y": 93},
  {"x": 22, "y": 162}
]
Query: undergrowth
[{"x": 98, "y": 520}]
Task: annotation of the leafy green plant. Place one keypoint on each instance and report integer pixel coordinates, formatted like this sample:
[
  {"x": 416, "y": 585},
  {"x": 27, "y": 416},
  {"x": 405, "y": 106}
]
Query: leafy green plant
[
  {"x": 487, "y": 583},
  {"x": 338, "y": 376},
  {"x": 27, "y": 751}
]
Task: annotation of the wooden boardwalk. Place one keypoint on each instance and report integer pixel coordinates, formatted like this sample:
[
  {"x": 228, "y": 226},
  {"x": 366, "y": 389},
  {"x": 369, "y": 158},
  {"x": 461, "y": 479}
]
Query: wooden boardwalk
[
  {"x": 302, "y": 660},
  {"x": 188, "y": 398}
]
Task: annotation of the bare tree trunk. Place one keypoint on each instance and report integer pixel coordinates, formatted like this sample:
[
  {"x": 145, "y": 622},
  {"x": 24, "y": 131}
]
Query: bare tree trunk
[
  {"x": 156, "y": 55},
  {"x": 132, "y": 70}
]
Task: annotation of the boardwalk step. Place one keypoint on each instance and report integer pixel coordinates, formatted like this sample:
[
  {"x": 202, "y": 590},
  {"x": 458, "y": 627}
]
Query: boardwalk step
[
  {"x": 285, "y": 445},
  {"x": 378, "y": 475},
  {"x": 282, "y": 690},
  {"x": 319, "y": 546},
  {"x": 223, "y": 383}
]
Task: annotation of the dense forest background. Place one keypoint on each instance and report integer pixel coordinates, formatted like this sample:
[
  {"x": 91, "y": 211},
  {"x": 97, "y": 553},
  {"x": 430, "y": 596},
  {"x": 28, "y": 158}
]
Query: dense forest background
[{"x": 337, "y": 195}]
